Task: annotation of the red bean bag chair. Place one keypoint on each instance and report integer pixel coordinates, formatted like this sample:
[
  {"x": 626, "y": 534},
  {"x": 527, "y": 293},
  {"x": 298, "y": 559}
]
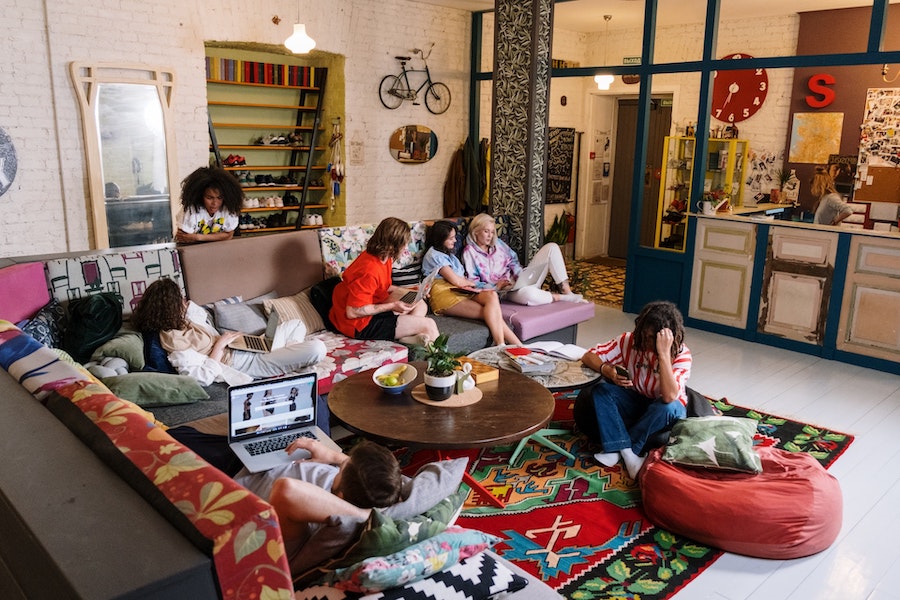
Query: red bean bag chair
[{"x": 792, "y": 509}]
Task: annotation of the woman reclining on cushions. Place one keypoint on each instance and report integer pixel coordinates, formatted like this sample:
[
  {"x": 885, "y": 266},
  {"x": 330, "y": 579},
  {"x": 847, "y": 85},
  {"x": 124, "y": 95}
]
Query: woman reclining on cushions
[{"x": 164, "y": 310}]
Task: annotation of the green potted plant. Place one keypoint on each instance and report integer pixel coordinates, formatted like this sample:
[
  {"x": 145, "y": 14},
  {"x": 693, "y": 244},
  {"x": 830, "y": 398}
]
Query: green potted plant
[{"x": 440, "y": 372}]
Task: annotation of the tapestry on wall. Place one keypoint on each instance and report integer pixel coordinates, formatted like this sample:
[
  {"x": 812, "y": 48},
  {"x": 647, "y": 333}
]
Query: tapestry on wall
[{"x": 559, "y": 164}]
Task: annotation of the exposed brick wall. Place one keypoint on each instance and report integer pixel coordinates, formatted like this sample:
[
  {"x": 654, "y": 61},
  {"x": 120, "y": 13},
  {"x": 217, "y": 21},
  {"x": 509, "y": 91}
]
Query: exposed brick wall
[{"x": 46, "y": 209}]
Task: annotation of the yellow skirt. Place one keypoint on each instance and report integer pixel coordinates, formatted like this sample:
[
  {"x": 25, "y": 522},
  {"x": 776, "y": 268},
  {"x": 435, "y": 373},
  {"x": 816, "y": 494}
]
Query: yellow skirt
[{"x": 443, "y": 297}]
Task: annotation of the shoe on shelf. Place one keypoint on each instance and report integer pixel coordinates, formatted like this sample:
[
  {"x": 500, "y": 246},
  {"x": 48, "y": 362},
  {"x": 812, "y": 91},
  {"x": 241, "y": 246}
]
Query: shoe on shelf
[
  {"x": 319, "y": 220},
  {"x": 279, "y": 202}
]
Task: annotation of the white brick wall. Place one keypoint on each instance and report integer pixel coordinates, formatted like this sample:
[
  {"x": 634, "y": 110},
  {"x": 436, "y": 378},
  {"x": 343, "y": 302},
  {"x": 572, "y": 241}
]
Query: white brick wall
[{"x": 46, "y": 209}]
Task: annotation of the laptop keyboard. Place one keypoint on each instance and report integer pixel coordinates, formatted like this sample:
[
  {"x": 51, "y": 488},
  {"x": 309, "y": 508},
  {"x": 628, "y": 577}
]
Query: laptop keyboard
[
  {"x": 279, "y": 442},
  {"x": 409, "y": 297},
  {"x": 255, "y": 343}
]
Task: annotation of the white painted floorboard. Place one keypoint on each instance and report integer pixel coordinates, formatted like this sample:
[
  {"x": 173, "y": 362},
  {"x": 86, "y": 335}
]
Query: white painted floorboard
[{"x": 863, "y": 563}]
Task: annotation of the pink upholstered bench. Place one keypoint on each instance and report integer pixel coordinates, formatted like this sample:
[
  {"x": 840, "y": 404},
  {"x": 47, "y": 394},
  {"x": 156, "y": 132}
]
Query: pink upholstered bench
[{"x": 530, "y": 322}]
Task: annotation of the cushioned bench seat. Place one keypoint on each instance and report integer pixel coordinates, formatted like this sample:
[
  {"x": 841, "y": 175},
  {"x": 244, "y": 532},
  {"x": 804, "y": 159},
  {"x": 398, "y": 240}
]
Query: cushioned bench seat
[{"x": 529, "y": 322}]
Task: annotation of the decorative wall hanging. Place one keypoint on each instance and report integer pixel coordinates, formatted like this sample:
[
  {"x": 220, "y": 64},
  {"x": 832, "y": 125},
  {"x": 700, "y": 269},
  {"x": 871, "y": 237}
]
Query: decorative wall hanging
[
  {"x": 8, "y": 162},
  {"x": 413, "y": 144},
  {"x": 559, "y": 167}
]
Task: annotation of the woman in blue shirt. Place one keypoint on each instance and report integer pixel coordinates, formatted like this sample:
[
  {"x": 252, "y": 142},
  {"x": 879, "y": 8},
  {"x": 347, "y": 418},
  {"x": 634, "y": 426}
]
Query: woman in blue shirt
[{"x": 473, "y": 303}]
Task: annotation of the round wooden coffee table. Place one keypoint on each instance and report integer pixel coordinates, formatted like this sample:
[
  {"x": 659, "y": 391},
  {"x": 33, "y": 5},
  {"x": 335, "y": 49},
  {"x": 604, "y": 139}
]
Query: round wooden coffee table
[{"x": 511, "y": 408}]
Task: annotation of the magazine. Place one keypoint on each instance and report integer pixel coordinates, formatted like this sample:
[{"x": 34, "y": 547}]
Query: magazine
[
  {"x": 527, "y": 362},
  {"x": 558, "y": 349}
]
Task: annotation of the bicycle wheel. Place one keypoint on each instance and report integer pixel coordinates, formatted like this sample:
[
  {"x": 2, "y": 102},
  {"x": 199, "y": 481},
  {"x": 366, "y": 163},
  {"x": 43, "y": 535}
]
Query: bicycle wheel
[
  {"x": 388, "y": 91},
  {"x": 437, "y": 98}
]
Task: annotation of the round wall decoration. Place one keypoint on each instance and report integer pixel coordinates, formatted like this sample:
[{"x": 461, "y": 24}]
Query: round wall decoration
[
  {"x": 737, "y": 95},
  {"x": 8, "y": 162}
]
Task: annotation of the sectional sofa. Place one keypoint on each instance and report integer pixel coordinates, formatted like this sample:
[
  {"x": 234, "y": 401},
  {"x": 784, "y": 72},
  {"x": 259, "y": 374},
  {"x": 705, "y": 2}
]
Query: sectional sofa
[{"x": 81, "y": 465}]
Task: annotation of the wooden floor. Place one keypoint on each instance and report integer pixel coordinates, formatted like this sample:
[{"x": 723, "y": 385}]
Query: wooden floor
[{"x": 863, "y": 563}]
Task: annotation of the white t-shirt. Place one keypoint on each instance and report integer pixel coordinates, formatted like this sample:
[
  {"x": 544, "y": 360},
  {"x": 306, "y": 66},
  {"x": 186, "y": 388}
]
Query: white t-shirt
[{"x": 200, "y": 221}]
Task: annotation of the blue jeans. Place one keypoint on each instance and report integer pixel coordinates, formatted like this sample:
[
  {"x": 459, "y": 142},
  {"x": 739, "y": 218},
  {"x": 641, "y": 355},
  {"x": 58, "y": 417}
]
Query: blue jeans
[{"x": 626, "y": 419}]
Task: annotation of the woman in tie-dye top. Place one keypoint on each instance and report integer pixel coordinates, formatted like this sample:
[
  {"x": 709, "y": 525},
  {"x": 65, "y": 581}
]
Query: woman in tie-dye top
[{"x": 624, "y": 410}]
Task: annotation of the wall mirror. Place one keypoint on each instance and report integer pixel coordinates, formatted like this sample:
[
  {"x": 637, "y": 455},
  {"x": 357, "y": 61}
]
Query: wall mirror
[
  {"x": 413, "y": 144},
  {"x": 130, "y": 151}
]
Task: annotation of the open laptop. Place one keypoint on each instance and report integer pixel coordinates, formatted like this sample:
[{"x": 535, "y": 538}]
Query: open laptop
[
  {"x": 412, "y": 296},
  {"x": 257, "y": 343},
  {"x": 530, "y": 275},
  {"x": 265, "y": 416}
]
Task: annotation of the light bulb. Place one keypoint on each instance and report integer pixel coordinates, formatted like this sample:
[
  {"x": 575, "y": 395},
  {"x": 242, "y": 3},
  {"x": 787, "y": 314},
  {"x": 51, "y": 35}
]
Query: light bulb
[
  {"x": 300, "y": 42},
  {"x": 603, "y": 81}
]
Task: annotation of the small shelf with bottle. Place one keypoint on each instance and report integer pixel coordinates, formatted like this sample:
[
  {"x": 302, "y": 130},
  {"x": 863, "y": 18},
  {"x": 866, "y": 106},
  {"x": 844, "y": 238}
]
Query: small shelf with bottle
[
  {"x": 724, "y": 176},
  {"x": 265, "y": 120}
]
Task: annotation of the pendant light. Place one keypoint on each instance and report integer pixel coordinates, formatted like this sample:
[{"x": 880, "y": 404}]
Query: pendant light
[
  {"x": 299, "y": 42},
  {"x": 604, "y": 81}
]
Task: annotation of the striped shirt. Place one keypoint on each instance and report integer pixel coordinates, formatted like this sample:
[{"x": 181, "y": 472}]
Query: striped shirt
[{"x": 644, "y": 366}]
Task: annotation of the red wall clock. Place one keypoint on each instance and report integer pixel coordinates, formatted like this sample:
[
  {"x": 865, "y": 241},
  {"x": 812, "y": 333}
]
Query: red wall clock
[{"x": 737, "y": 95}]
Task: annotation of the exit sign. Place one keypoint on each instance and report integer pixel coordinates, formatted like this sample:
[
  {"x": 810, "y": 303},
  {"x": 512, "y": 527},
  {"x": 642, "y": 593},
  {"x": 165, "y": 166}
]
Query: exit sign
[{"x": 631, "y": 60}]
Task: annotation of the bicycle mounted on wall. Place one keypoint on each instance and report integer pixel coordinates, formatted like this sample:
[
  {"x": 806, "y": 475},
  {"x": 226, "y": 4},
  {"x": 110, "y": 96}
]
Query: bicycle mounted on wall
[{"x": 394, "y": 89}]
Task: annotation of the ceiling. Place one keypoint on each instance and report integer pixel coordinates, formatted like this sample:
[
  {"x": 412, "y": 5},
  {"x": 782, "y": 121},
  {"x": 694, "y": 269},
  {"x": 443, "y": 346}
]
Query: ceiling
[{"x": 586, "y": 16}]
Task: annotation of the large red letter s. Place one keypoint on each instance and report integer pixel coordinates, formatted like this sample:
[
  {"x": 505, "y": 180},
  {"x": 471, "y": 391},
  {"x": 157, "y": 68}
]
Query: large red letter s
[{"x": 817, "y": 85}]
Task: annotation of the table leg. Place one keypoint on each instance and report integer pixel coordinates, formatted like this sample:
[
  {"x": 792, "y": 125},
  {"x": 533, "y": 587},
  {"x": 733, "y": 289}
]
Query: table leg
[
  {"x": 470, "y": 481},
  {"x": 539, "y": 437}
]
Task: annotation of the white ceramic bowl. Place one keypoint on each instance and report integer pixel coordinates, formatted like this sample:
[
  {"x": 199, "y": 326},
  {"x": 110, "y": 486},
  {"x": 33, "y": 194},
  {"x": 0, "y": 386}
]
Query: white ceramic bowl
[{"x": 406, "y": 378}]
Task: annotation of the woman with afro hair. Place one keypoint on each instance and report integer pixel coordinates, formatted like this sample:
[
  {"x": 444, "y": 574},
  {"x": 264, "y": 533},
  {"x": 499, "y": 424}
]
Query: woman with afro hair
[{"x": 211, "y": 202}]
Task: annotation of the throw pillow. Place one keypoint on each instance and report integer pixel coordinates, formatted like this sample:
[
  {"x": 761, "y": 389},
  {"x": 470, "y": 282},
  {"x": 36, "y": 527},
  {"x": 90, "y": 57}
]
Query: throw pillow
[
  {"x": 156, "y": 359},
  {"x": 297, "y": 306},
  {"x": 243, "y": 316},
  {"x": 93, "y": 320},
  {"x": 156, "y": 389},
  {"x": 383, "y": 535},
  {"x": 48, "y": 324},
  {"x": 127, "y": 345},
  {"x": 429, "y": 490},
  {"x": 714, "y": 442},
  {"x": 413, "y": 563},
  {"x": 477, "y": 578}
]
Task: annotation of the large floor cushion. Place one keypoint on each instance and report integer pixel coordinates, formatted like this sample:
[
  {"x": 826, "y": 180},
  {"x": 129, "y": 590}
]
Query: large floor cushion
[
  {"x": 532, "y": 321},
  {"x": 792, "y": 509}
]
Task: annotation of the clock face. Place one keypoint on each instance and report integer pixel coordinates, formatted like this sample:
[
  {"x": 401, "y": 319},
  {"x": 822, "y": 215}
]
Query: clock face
[{"x": 737, "y": 95}]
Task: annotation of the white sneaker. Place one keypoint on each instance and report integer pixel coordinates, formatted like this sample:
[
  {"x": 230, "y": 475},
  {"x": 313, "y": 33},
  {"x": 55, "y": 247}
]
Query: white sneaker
[
  {"x": 571, "y": 298},
  {"x": 279, "y": 202},
  {"x": 319, "y": 220}
]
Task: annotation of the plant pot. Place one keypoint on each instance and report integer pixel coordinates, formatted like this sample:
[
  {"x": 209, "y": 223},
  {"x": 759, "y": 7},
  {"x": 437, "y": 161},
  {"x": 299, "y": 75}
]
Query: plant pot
[{"x": 440, "y": 388}]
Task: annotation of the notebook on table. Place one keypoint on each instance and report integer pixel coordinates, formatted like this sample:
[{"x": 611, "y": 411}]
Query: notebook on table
[
  {"x": 412, "y": 296},
  {"x": 265, "y": 416}
]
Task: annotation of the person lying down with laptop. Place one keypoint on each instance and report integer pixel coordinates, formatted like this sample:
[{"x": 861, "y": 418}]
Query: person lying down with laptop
[{"x": 197, "y": 349}]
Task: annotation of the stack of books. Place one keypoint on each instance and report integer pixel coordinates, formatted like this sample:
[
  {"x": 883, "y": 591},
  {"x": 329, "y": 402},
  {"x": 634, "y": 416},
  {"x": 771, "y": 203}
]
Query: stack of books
[{"x": 528, "y": 362}]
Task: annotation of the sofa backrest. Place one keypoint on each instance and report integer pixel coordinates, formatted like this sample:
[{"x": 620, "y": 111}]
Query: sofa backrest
[
  {"x": 126, "y": 273},
  {"x": 251, "y": 266}
]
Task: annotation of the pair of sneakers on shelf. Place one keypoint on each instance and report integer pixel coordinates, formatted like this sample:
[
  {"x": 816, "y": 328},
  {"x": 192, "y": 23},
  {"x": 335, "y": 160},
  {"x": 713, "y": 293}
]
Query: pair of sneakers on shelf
[
  {"x": 268, "y": 202},
  {"x": 312, "y": 220}
]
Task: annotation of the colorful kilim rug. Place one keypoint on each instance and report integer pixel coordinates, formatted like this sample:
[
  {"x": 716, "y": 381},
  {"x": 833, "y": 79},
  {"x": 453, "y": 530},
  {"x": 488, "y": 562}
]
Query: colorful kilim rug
[{"x": 579, "y": 526}]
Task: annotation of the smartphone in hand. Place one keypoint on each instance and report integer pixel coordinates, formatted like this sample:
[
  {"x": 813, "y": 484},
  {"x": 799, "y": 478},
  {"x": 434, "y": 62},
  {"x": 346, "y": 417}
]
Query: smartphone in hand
[{"x": 622, "y": 371}]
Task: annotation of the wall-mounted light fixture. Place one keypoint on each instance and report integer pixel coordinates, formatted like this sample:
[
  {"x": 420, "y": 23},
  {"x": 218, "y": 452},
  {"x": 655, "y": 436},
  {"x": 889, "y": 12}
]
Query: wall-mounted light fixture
[
  {"x": 884, "y": 72},
  {"x": 604, "y": 81},
  {"x": 299, "y": 42}
]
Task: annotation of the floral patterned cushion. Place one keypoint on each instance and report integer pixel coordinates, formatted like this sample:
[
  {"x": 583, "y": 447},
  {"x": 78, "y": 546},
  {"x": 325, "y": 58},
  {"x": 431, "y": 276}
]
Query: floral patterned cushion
[
  {"x": 347, "y": 356},
  {"x": 341, "y": 246}
]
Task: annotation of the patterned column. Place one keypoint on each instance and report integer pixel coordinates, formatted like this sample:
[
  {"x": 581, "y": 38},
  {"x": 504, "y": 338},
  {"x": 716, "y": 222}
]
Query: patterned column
[{"x": 522, "y": 36}]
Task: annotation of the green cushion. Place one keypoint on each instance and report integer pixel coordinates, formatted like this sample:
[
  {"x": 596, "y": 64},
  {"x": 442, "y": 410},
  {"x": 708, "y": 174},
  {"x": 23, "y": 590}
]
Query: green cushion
[
  {"x": 714, "y": 442},
  {"x": 127, "y": 345},
  {"x": 156, "y": 389}
]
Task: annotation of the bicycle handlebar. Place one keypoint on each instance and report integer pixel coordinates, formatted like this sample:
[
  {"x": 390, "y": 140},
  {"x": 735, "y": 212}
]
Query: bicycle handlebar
[{"x": 421, "y": 52}]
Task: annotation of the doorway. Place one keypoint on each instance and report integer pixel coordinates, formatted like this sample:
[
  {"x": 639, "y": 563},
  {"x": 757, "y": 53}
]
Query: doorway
[{"x": 660, "y": 123}]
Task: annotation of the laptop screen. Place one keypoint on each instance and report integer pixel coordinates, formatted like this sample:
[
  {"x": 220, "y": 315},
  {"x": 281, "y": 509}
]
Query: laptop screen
[{"x": 271, "y": 405}]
